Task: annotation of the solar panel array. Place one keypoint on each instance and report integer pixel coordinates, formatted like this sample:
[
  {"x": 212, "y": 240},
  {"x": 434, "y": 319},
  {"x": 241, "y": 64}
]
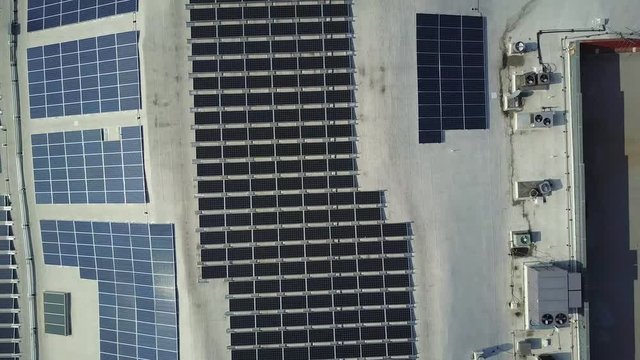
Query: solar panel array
[
  {"x": 45, "y": 14},
  {"x": 87, "y": 76},
  {"x": 314, "y": 270},
  {"x": 451, "y": 75},
  {"x": 134, "y": 265},
  {"x": 81, "y": 167},
  {"x": 9, "y": 295}
]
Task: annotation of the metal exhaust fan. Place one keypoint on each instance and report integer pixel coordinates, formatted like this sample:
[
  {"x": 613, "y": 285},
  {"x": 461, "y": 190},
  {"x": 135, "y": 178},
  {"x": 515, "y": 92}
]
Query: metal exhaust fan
[
  {"x": 544, "y": 188},
  {"x": 530, "y": 79},
  {"x": 543, "y": 78},
  {"x": 561, "y": 318},
  {"x": 546, "y": 319}
]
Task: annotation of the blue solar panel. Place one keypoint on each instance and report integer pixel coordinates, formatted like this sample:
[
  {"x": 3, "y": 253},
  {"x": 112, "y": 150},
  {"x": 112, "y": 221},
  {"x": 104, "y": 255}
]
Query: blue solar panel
[
  {"x": 134, "y": 265},
  {"x": 45, "y": 14},
  {"x": 80, "y": 167},
  {"x": 86, "y": 76},
  {"x": 451, "y": 75}
]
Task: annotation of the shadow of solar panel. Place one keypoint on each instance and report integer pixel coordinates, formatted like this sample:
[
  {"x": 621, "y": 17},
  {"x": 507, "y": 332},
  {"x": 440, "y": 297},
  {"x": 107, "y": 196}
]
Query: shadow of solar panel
[
  {"x": 267, "y": 269},
  {"x": 291, "y": 251},
  {"x": 294, "y": 302},
  {"x": 269, "y": 338},
  {"x": 268, "y": 354},
  {"x": 240, "y": 270},
  {"x": 371, "y": 298},
  {"x": 342, "y": 215},
  {"x": 295, "y": 336},
  {"x": 319, "y": 301},
  {"x": 285, "y": 64},
  {"x": 284, "y": 46},
  {"x": 270, "y": 218},
  {"x": 394, "y": 264},
  {"x": 369, "y": 265},
  {"x": 290, "y": 200},
  {"x": 241, "y": 305},
  {"x": 267, "y": 286},
  {"x": 398, "y": 298},
  {"x": 261, "y": 150},
  {"x": 241, "y": 287},
  {"x": 267, "y": 321},
  {"x": 243, "y": 339},
  {"x": 400, "y": 332},
  {"x": 263, "y": 201},
  {"x": 242, "y": 322},
  {"x": 263, "y": 184},
  {"x": 401, "y": 280},
  {"x": 320, "y": 318},
  {"x": 398, "y": 315},
  {"x": 292, "y": 285},
  {"x": 202, "y": 31},
  {"x": 292, "y": 268},
  {"x": 371, "y": 282},
  {"x": 266, "y": 252}
]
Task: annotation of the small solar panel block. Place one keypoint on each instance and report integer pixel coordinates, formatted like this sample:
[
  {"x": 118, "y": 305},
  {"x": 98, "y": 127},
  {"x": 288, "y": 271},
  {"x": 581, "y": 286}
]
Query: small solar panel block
[
  {"x": 86, "y": 76},
  {"x": 53, "y": 13},
  {"x": 134, "y": 267},
  {"x": 451, "y": 75},
  {"x": 80, "y": 167},
  {"x": 317, "y": 249}
]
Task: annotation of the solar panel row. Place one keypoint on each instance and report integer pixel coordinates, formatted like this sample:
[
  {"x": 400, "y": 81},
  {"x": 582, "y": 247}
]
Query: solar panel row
[
  {"x": 451, "y": 75},
  {"x": 9, "y": 306},
  {"x": 134, "y": 265},
  {"x": 273, "y": 259},
  {"x": 340, "y": 113},
  {"x": 277, "y": 11},
  {"x": 45, "y": 14},
  {"x": 362, "y": 198},
  {"x": 81, "y": 167},
  {"x": 87, "y": 76},
  {"x": 311, "y": 233}
]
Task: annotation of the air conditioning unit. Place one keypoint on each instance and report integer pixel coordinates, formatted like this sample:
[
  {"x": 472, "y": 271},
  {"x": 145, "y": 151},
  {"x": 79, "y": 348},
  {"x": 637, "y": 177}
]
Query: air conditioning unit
[
  {"x": 521, "y": 243},
  {"x": 533, "y": 80},
  {"x": 543, "y": 119}
]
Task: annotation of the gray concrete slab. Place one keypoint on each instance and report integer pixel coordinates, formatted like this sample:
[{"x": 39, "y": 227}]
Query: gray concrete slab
[{"x": 458, "y": 194}]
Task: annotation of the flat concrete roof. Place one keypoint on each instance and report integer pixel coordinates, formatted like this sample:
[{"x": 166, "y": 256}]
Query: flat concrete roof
[{"x": 458, "y": 194}]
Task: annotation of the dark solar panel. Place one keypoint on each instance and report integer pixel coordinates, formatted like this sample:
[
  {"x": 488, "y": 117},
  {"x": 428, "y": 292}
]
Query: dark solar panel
[
  {"x": 278, "y": 194},
  {"x": 451, "y": 73}
]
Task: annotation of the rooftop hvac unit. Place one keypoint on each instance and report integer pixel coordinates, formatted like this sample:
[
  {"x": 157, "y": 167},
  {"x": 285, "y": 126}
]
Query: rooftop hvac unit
[
  {"x": 542, "y": 119},
  {"x": 546, "y": 319},
  {"x": 521, "y": 243},
  {"x": 533, "y": 80}
]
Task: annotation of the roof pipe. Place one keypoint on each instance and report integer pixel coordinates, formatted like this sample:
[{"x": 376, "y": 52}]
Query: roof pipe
[
  {"x": 555, "y": 31},
  {"x": 22, "y": 194}
]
